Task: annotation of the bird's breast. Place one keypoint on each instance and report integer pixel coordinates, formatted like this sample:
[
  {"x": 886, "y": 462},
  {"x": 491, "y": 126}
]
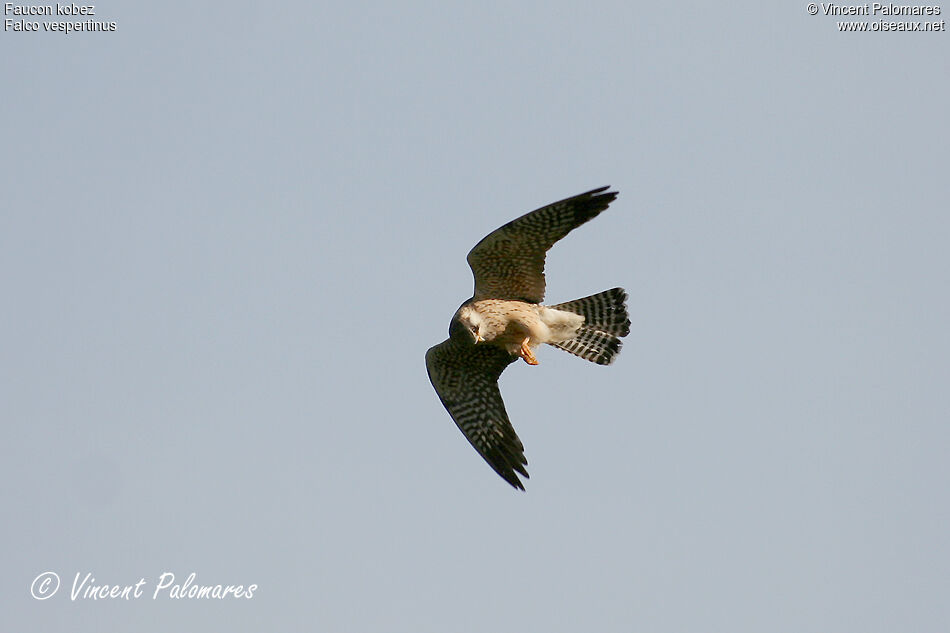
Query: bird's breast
[{"x": 510, "y": 322}]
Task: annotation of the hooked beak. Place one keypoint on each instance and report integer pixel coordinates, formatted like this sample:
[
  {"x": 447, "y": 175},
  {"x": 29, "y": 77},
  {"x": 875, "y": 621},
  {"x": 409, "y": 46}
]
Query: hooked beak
[{"x": 478, "y": 338}]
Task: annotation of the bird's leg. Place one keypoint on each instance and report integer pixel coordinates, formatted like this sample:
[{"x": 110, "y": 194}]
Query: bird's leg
[{"x": 527, "y": 354}]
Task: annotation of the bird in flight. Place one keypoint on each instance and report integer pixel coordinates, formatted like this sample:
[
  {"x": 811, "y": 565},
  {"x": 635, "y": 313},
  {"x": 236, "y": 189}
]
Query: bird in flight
[{"x": 505, "y": 321}]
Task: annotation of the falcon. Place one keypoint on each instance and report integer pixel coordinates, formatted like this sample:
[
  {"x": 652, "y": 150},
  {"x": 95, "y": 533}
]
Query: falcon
[{"x": 505, "y": 321}]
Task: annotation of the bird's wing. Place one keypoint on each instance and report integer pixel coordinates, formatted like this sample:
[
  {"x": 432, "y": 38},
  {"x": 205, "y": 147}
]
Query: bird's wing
[
  {"x": 466, "y": 379},
  {"x": 509, "y": 262}
]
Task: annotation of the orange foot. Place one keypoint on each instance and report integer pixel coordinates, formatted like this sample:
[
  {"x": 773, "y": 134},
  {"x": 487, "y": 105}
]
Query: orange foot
[{"x": 527, "y": 354}]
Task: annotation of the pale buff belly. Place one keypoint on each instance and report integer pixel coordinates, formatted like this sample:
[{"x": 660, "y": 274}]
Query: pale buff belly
[{"x": 511, "y": 322}]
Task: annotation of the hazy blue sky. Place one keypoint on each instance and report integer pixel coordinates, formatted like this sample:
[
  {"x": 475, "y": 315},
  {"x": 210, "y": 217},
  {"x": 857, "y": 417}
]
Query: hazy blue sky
[{"x": 229, "y": 232}]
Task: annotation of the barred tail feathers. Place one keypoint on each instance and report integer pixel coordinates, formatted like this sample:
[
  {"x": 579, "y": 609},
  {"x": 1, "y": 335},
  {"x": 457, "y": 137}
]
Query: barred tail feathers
[{"x": 605, "y": 322}]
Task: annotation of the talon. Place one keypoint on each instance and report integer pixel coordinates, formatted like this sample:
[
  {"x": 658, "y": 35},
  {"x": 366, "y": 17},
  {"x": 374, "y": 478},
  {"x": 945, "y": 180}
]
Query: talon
[{"x": 527, "y": 354}]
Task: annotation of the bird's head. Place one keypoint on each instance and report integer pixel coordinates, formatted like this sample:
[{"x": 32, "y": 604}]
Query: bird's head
[{"x": 472, "y": 322}]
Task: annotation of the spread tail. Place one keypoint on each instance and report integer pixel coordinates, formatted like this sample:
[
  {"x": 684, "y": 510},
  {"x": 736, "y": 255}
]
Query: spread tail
[{"x": 605, "y": 322}]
